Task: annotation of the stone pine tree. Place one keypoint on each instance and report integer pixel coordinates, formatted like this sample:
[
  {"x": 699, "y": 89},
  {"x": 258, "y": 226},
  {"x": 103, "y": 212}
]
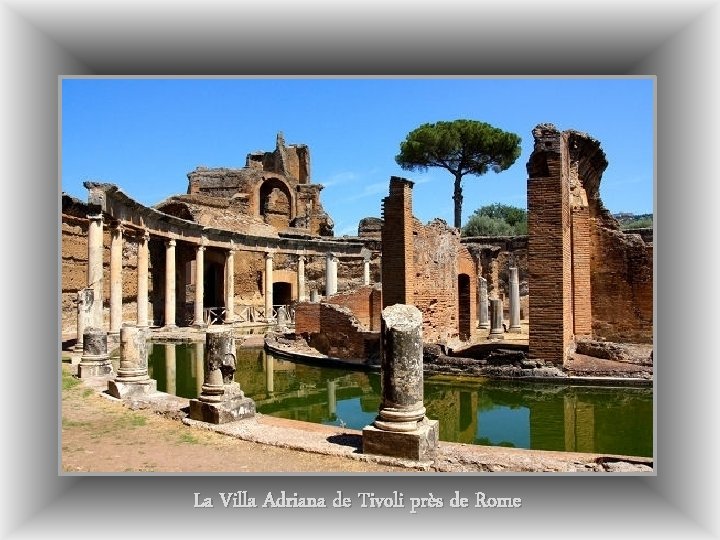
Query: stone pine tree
[{"x": 462, "y": 147}]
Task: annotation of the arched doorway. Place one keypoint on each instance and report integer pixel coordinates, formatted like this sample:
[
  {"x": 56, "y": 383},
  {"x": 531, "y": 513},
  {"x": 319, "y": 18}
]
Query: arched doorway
[
  {"x": 282, "y": 293},
  {"x": 276, "y": 203},
  {"x": 464, "y": 307}
]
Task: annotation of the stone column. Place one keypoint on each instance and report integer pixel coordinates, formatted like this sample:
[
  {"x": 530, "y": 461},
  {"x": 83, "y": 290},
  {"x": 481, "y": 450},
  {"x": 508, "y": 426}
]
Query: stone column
[
  {"x": 116, "y": 241},
  {"x": 401, "y": 428},
  {"x": 514, "y": 302},
  {"x": 301, "y": 279},
  {"x": 496, "y": 315},
  {"x": 132, "y": 375},
  {"x": 268, "y": 285},
  {"x": 84, "y": 315},
  {"x": 483, "y": 315},
  {"x": 330, "y": 275},
  {"x": 95, "y": 267},
  {"x": 366, "y": 271},
  {"x": 199, "y": 321},
  {"x": 170, "y": 368},
  {"x": 95, "y": 361},
  {"x": 221, "y": 399},
  {"x": 143, "y": 259},
  {"x": 170, "y": 283},
  {"x": 229, "y": 286},
  {"x": 314, "y": 296}
]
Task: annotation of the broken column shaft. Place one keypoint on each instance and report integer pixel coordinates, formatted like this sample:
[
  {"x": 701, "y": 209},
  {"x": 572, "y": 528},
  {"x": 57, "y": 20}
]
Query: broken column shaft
[
  {"x": 221, "y": 400},
  {"x": 496, "y": 318},
  {"x": 483, "y": 313},
  {"x": 401, "y": 428},
  {"x": 95, "y": 361},
  {"x": 132, "y": 375}
]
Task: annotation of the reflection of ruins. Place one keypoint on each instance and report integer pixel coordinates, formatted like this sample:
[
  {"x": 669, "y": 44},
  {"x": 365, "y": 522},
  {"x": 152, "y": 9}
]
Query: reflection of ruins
[{"x": 521, "y": 415}]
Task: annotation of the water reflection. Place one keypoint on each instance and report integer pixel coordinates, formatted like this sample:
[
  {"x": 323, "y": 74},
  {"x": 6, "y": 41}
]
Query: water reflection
[{"x": 498, "y": 413}]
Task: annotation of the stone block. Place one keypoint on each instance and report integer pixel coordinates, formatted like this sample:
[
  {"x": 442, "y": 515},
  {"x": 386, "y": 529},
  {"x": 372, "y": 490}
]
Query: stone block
[
  {"x": 418, "y": 445},
  {"x": 229, "y": 410},
  {"x": 123, "y": 390},
  {"x": 94, "y": 368}
]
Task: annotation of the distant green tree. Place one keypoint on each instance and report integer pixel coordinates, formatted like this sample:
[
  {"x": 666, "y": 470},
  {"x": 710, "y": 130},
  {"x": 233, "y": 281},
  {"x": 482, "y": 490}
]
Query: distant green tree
[
  {"x": 462, "y": 147},
  {"x": 496, "y": 220},
  {"x": 639, "y": 223}
]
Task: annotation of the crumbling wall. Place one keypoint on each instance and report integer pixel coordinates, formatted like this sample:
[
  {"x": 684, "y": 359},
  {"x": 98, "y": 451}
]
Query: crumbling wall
[
  {"x": 335, "y": 331},
  {"x": 365, "y": 304},
  {"x": 587, "y": 278}
]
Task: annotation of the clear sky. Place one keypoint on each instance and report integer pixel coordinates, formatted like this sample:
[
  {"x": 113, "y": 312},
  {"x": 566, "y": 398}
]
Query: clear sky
[{"x": 145, "y": 135}]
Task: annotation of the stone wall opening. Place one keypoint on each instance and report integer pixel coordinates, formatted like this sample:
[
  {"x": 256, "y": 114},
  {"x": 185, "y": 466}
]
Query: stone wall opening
[
  {"x": 276, "y": 203},
  {"x": 282, "y": 293}
]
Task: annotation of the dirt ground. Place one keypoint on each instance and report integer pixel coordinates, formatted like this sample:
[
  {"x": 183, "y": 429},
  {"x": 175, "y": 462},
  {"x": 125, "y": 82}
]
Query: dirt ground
[
  {"x": 103, "y": 435},
  {"x": 99, "y": 435}
]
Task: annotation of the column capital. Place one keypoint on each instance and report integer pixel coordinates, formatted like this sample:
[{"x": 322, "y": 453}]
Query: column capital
[
  {"x": 269, "y": 254},
  {"x": 170, "y": 242},
  {"x": 302, "y": 258},
  {"x": 96, "y": 217},
  {"x": 200, "y": 247},
  {"x": 117, "y": 227},
  {"x": 143, "y": 235},
  {"x": 203, "y": 241}
]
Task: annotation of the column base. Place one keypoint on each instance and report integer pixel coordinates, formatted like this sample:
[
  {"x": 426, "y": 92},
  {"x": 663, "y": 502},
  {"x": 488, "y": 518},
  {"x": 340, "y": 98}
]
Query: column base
[
  {"x": 122, "y": 390},
  {"x": 496, "y": 335},
  {"x": 94, "y": 367},
  {"x": 419, "y": 445},
  {"x": 515, "y": 329},
  {"x": 484, "y": 326},
  {"x": 228, "y": 410}
]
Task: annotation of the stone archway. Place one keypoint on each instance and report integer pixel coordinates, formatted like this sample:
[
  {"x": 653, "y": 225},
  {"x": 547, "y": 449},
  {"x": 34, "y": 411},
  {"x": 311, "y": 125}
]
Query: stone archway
[{"x": 276, "y": 203}]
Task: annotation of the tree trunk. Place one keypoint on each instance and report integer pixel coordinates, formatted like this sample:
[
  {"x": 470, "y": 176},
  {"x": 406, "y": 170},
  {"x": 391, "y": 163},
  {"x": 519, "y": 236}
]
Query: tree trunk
[{"x": 457, "y": 197}]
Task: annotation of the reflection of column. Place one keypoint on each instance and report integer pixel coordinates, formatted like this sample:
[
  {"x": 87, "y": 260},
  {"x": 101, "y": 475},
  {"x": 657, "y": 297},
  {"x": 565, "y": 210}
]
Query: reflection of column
[
  {"x": 95, "y": 267},
  {"x": 366, "y": 271},
  {"x": 301, "y": 279},
  {"x": 483, "y": 313},
  {"x": 268, "y": 285},
  {"x": 170, "y": 368},
  {"x": 198, "y": 367},
  {"x": 229, "y": 286},
  {"x": 142, "y": 284},
  {"x": 514, "y": 301},
  {"x": 332, "y": 399},
  {"x": 170, "y": 283},
  {"x": 579, "y": 425},
  {"x": 330, "y": 275},
  {"x": 199, "y": 285},
  {"x": 116, "y": 279},
  {"x": 269, "y": 362}
]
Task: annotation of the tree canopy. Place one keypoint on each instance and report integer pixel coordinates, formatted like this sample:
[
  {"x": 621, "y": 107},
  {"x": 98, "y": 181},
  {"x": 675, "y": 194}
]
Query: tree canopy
[
  {"x": 462, "y": 147},
  {"x": 496, "y": 220}
]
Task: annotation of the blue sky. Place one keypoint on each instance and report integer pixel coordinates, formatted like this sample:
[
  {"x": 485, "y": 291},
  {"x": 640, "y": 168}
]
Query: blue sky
[{"x": 145, "y": 135}]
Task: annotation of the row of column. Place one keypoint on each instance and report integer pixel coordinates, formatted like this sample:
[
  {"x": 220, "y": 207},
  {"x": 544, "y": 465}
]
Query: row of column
[
  {"x": 484, "y": 305},
  {"x": 95, "y": 280}
]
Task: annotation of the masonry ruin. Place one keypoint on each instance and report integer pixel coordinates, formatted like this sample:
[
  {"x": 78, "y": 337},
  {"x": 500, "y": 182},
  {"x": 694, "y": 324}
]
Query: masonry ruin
[{"x": 243, "y": 246}]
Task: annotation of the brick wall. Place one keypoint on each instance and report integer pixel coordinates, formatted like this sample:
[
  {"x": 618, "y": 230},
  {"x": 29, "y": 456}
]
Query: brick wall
[
  {"x": 335, "y": 331},
  {"x": 549, "y": 248},
  {"x": 397, "y": 233},
  {"x": 365, "y": 303}
]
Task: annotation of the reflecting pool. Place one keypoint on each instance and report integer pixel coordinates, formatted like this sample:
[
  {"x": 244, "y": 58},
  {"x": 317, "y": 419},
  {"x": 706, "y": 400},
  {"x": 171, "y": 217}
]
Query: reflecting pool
[{"x": 542, "y": 416}]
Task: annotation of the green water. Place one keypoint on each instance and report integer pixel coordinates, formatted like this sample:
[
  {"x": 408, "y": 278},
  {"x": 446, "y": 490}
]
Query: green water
[{"x": 616, "y": 420}]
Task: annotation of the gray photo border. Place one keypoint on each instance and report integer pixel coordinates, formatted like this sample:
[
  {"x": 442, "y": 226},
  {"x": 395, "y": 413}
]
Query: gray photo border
[{"x": 673, "y": 42}]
